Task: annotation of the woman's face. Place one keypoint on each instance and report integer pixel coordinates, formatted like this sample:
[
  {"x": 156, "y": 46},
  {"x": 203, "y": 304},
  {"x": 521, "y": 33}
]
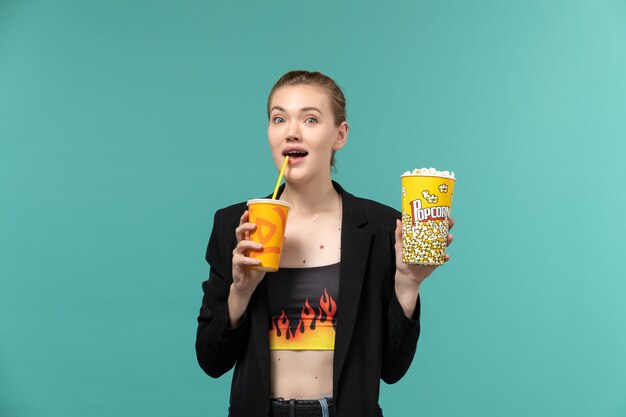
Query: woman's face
[{"x": 302, "y": 125}]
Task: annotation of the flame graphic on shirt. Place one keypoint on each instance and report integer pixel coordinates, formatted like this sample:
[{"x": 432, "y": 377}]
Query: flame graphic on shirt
[{"x": 315, "y": 330}]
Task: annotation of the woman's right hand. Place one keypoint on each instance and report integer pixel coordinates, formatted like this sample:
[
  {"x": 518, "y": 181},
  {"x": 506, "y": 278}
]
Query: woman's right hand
[{"x": 245, "y": 279}]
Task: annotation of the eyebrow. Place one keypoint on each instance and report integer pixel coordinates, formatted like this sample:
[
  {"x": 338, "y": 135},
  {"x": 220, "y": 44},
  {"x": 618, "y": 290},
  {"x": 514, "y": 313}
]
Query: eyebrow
[{"x": 304, "y": 109}]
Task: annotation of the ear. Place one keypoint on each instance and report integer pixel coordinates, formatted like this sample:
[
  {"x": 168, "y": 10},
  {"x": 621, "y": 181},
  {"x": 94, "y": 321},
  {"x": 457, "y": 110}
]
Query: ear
[{"x": 342, "y": 136}]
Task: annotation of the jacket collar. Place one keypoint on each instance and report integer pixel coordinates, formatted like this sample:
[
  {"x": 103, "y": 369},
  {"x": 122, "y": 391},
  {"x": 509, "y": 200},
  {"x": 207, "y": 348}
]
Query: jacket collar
[{"x": 355, "y": 248}]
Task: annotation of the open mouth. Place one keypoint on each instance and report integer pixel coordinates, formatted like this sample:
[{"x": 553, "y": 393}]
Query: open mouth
[{"x": 295, "y": 154}]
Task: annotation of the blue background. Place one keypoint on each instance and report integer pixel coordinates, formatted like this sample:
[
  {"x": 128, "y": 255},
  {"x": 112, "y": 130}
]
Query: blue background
[{"x": 125, "y": 124}]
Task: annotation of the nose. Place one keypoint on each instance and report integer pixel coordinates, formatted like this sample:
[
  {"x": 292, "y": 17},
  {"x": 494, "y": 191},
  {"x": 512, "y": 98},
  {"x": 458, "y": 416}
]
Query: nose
[{"x": 293, "y": 132}]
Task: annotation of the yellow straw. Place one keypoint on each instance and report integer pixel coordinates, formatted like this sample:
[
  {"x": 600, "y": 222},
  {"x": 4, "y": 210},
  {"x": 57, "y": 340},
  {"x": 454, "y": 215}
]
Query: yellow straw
[{"x": 280, "y": 177}]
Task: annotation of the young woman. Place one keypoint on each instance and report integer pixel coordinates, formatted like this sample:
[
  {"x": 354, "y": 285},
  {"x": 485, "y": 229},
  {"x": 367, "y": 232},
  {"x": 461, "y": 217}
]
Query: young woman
[{"x": 316, "y": 337}]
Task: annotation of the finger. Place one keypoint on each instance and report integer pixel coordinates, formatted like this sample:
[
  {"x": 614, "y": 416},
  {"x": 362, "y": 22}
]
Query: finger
[
  {"x": 447, "y": 258},
  {"x": 242, "y": 220},
  {"x": 449, "y": 240},
  {"x": 246, "y": 226},
  {"x": 450, "y": 223},
  {"x": 398, "y": 232},
  {"x": 244, "y": 247},
  {"x": 244, "y": 217},
  {"x": 244, "y": 230},
  {"x": 244, "y": 262},
  {"x": 398, "y": 244}
]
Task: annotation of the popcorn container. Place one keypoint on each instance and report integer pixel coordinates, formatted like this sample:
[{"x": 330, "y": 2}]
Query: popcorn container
[
  {"x": 270, "y": 217},
  {"x": 426, "y": 204}
]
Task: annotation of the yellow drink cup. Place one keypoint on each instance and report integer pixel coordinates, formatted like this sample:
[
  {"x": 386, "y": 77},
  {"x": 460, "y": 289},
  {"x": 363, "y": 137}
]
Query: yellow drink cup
[
  {"x": 426, "y": 205},
  {"x": 270, "y": 217}
]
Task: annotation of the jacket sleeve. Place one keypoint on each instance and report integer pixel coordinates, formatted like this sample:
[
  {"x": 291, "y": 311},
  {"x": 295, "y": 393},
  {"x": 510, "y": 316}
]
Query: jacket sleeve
[
  {"x": 217, "y": 345},
  {"x": 401, "y": 334}
]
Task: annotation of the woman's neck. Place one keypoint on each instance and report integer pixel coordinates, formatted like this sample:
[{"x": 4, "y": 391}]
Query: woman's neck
[{"x": 311, "y": 198}]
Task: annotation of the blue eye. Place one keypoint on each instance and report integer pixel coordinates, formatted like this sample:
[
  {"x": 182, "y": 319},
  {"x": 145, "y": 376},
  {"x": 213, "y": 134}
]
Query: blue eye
[
  {"x": 278, "y": 119},
  {"x": 310, "y": 120}
]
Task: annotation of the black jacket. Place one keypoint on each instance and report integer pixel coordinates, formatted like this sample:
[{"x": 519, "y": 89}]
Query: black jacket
[{"x": 374, "y": 339}]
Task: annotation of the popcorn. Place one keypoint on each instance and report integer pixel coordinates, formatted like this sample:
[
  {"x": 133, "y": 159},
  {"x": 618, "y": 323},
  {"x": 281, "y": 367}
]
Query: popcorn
[
  {"x": 431, "y": 198},
  {"x": 430, "y": 172},
  {"x": 424, "y": 243}
]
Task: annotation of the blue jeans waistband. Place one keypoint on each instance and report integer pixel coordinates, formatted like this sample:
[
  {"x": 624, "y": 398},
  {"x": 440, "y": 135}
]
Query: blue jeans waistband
[{"x": 321, "y": 407}]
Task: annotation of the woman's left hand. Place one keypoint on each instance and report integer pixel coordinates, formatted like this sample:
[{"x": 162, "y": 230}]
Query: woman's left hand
[{"x": 408, "y": 275}]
